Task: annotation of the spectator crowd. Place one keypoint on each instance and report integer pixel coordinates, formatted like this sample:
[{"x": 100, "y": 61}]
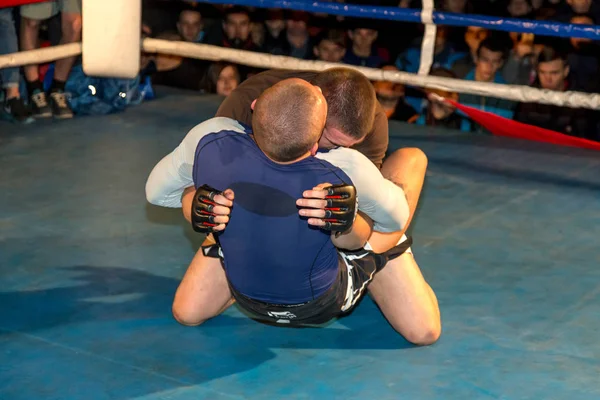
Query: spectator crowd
[{"x": 469, "y": 53}]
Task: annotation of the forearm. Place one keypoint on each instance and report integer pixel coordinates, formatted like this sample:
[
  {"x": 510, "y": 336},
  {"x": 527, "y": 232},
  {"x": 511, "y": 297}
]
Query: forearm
[{"x": 357, "y": 236}]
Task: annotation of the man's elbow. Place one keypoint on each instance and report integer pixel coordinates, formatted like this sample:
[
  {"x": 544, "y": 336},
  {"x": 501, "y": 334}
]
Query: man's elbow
[
  {"x": 158, "y": 197},
  {"x": 152, "y": 195}
]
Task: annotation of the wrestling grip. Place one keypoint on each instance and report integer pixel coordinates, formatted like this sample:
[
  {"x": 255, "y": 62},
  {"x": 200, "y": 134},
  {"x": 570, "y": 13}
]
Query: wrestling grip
[
  {"x": 341, "y": 208},
  {"x": 203, "y": 218}
]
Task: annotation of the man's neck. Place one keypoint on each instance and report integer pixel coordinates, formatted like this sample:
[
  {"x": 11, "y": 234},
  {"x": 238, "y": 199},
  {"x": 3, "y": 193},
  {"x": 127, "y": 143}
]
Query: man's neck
[
  {"x": 291, "y": 162},
  {"x": 274, "y": 32},
  {"x": 308, "y": 154},
  {"x": 297, "y": 40},
  {"x": 437, "y": 50},
  {"x": 361, "y": 52},
  {"x": 479, "y": 79}
]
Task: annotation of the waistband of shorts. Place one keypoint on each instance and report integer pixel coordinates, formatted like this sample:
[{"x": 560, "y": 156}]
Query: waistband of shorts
[{"x": 332, "y": 290}]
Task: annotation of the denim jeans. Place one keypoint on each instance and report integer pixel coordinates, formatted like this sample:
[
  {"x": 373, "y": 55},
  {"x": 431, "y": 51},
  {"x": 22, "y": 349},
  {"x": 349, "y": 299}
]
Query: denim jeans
[{"x": 9, "y": 77}]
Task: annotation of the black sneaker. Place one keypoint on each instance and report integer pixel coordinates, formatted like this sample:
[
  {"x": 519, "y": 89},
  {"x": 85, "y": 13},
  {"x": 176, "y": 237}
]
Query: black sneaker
[
  {"x": 16, "y": 111},
  {"x": 60, "y": 107},
  {"x": 39, "y": 105}
]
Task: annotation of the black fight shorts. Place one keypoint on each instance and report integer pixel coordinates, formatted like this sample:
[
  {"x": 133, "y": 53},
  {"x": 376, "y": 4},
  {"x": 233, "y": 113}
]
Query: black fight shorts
[{"x": 356, "y": 270}]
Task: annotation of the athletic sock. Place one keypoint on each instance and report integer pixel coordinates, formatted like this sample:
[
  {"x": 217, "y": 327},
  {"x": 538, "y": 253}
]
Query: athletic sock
[
  {"x": 57, "y": 86},
  {"x": 33, "y": 86}
]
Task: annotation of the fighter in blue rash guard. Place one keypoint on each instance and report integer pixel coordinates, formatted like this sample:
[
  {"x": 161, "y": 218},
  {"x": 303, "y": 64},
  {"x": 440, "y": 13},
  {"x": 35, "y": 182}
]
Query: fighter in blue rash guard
[
  {"x": 271, "y": 254},
  {"x": 278, "y": 267}
]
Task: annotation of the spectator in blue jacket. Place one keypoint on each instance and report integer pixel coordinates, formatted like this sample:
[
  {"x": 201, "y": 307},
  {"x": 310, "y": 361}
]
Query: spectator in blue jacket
[
  {"x": 444, "y": 54},
  {"x": 489, "y": 60}
]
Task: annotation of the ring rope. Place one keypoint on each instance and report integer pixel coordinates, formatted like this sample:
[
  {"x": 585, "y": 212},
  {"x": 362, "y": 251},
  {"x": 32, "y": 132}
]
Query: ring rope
[
  {"x": 428, "y": 43},
  {"x": 542, "y": 28},
  {"x": 268, "y": 61},
  {"x": 40, "y": 56}
]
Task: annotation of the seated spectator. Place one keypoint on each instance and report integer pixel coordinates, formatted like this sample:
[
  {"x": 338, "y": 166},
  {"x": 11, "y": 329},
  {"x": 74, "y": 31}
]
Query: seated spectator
[
  {"x": 363, "y": 51},
  {"x": 221, "y": 78},
  {"x": 190, "y": 25},
  {"x": 235, "y": 30},
  {"x": 274, "y": 29},
  {"x": 547, "y": 9},
  {"x": 584, "y": 59},
  {"x": 537, "y": 6},
  {"x": 330, "y": 45},
  {"x": 14, "y": 107},
  {"x": 444, "y": 55},
  {"x": 474, "y": 35},
  {"x": 295, "y": 40},
  {"x": 518, "y": 69},
  {"x": 552, "y": 72},
  {"x": 391, "y": 97},
  {"x": 577, "y": 7},
  {"x": 457, "y": 6},
  {"x": 488, "y": 62},
  {"x": 258, "y": 33},
  {"x": 235, "y": 33},
  {"x": 161, "y": 16},
  {"x": 298, "y": 42},
  {"x": 520, "y": 9},
  {"x": 457, "y": 33},
  {"x": 55, "y": 103},
  {"x": 323, "y": 21},
  {"x": 438, "y": 113},
  {"x": 175, "y": 71}
]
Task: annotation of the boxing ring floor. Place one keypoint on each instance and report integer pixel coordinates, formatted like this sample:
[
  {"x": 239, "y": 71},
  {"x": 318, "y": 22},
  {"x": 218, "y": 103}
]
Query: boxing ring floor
[{"x": 507, "y": 234}]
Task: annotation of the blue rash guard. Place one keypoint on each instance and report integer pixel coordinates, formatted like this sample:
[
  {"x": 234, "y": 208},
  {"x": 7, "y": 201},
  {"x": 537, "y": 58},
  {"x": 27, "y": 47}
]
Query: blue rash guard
[{"x": 271, "y": 254}]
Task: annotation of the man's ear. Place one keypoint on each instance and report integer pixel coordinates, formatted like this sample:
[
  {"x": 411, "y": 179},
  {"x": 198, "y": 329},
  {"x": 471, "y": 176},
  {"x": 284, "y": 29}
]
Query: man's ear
[
  {"x": 314, "y": 149},
  {"x": 253, "y": 104}
]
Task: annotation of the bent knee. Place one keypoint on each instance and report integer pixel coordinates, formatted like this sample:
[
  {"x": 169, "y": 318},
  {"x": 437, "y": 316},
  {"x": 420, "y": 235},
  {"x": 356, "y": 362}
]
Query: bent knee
[
  {"x": 407, "y": 160},
  {"x": 412, "y": 154},
  {"x": 71, "y": 29},
  {"x": 29, "y": 23},
  {"x": 185, "y": 317},
  {"x": 424, "y": 335}
]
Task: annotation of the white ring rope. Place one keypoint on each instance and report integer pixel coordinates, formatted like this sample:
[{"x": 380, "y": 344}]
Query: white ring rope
[
  {"x": 428, "y": 43},
  {"x": 267, "y": 61},
  {"x": 40, "y": 56}
]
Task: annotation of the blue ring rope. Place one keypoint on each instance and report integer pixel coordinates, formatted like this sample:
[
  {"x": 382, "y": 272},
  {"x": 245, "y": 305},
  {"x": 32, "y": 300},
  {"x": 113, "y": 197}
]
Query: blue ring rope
[{"x": 543, "y": 28}]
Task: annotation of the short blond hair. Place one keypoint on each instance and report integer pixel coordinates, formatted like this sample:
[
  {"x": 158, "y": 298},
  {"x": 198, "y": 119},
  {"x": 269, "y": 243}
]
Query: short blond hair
[{"x": 286, "y": 121}]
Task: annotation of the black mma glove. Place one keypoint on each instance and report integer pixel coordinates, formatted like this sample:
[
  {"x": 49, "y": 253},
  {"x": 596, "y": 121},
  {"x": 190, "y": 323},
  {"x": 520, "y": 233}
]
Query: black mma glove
[
  {"x": 341, "y": 208},
  {"x": 202, "y": 209}
]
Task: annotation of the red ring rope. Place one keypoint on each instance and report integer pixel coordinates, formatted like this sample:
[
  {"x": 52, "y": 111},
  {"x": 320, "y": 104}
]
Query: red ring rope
[{"x": 16, "y": 3}]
